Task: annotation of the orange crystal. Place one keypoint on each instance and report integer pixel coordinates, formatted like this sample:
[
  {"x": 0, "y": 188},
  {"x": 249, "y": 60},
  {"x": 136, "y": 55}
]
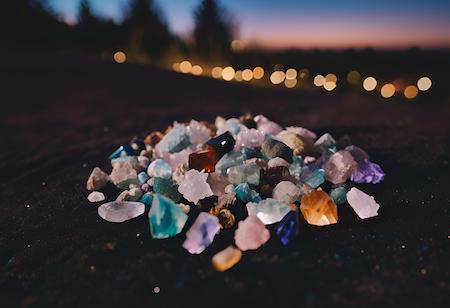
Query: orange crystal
[
  {"x": 226, "y": 258},
  {"x": 203, "y": 160},
  {"x": 318, "y": 208}
]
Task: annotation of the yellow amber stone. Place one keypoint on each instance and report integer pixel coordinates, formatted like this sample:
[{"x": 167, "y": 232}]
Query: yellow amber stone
[
  {"x": 226, "y": 258},
  {"x": 318, "y": 208}
]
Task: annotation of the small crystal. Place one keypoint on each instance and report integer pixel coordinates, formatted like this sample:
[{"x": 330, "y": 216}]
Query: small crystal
[
  {"x": 229, "y": 160},
  {"x": 223, "y": 143},
  {"x": 134, "y": 194},
  {"x": 232, "y": 125},
  {"x": 270, "y": 127},
  {"x": 272, "y": 148},
  {"x": 226, "y": 258},
  {"x": 243, "y": 192},
  {"x": 167, "y": 188},
  {"x": 339, "y": 167},
  {"x": 160, "y": 168},
  {"x": 143, "y": 177},
  {"x": 288, "y": 228},
  {"x": 175, "y": 140},
  {"x": 367, "y": 172},
  {"x": 286, "y": 192},
  {"x": 202, "y": 233},
  {"x": 124, "y": 150},
  {"x": 249, "y": 138},
  {"x": 97, "y": 179},
  {"x": 198, "y": 132},
  {"x": 357, "y": 153},
  {"x": 147, "y": 199},
  {"x": 203, "y": 160},
  {"x": 165, "y": 217},
  {"x": 246, "y": 173},
  {"x": 96, "y": 196},
  {"x": 194, "y": 186},
  {"x": 251, "y": 234},
  {"x": 217, "y": 182},
  {"x": 313, "y": 177},
  {"x": 298, "y": 144},
  {"x": 120, "y": 211},
  {"x": 325, "y": 144},
  {"x": 305, "y": 133},
  {"x": 133, "y": 160},
  {"x": 226, "y": 200},
  {"x": 123, "y": 174},
  {"x": 338, "y": 194},
  {"x": 269, "y": 210},
  {"x": 318, "y": 208},
  {"x": 278, "y": 161},
  {"x": 363, "y": 204},
  {"x": 275, "y": 175}
]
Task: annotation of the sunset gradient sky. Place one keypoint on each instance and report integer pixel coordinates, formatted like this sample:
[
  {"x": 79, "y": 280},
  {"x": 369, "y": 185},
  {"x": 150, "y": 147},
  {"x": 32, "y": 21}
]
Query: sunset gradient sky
[{"x": 307, "y": 24}]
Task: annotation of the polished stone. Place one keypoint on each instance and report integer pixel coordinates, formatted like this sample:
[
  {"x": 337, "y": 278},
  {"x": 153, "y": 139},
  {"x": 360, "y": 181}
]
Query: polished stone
[
  {"x": 318, "y": 208},
  {"x": 226, "y": 258}
]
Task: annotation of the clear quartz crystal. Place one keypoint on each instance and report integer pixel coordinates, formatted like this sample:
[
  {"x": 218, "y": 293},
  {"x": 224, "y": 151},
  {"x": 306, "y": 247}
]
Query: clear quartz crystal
[
  {"x": 269, "y": 210},
  {"x": 120, "y": 211},
  {"x": 194, "y": 186},
  {"x": 286, "y": 192},
  {"x": 363, "y": 204}
]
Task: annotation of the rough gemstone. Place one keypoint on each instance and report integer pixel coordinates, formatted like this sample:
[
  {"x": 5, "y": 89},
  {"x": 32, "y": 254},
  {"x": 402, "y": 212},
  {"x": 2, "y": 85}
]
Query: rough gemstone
[
  {"x": 97, "y": 179},
  {"x": 338, "y": 195},
  {"x": 269, "y": 127},
  {"x": 313, "y": 177},
  {"x": 153, "y": 138},
  {"x": 120, "y": 211},
  {"x": 246, "y": 173},
  {"x": 203, "y": 160},
  {"x": 96, "y": 196},
  {"x": 198, "y": 132},
  {"x": 243, "y": 192},
  {"x": 304, "y": 132},
  {"x": 298, "y": 144},
  {"x": 363, "y": 204},
  {"x": 318, "y": 208},
  {"x": 175, "y": 140},
  {"x": 147, "y": 199},
  {"x": 226, "y": 200},
  {"x": 251, "y": 234},
  {"x": 134, "y": 194},
  {"x": 143, "y": 177},
  {"x": 339, "y": 167},
  {"x": 217, "y": 182},
  {"x": 325, "y": 144},
  {"x": 167, "y": 188},
  {"x": 275, "y": 175},
  {"x": 226, "y": 258},
  {"x": 160, "y": 168},
  {"x": 231, "y": 125},
  {"x": 286, "y": 192},
  {"x": 123, "y": 174},
  {"x": 201, "y": 233},
  {"x": 223, "y": 143},
  {"x": 367, "y": 172},
  {"x": 133, "y": 160},
  {"x": 272, "y": 148},
  {"x": 123, "y": 150},
  {"x": 249, "y": 138},
  {"x": 194, "y": 186},
  {"x": 357, "y": 153},
  {"x": 278, "y": 161},
  {"x": 269, "y": 210},
  {"x": 229, "y": 160},
  {"x": 288, "y": 228},
  {"x": 165, "y": 217}
]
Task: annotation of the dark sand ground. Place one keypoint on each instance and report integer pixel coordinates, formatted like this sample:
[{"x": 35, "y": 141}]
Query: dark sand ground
[{"x": 62, "y": 115}]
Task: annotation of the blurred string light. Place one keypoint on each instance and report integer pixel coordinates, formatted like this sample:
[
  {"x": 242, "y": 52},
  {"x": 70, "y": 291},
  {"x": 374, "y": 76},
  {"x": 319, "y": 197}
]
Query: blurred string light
[
  {"x": 197, "y": 70},
  {"x": 291, "y": 74},
  {"x": 216, "y": 72},
  {"x": 319, "y": 81},
  {"x": 185, "y": 67},
  {"x": 237, "y": 45},
  {"x": 228, "y": 73},
  {"x": 120, "y": 57},
  {"x": 354, "y": 78},
  {"x": 410, "y": 92},
  {"x": 176, "y": 67},
  {"x": 424, "y": 83},
  {"x": 388, "y": 90},
  {"x": 277, "y": 77},
  {"x": 331, "y": 78},
  {"x": 290, "y": 83},
  {"x": 258, "y": 72},
  {"x": 247, "y": 74},
  {"x": 369, "y": 84},
  {"x": 329, "y": 85},
  {"x": 238, "y": 76}
]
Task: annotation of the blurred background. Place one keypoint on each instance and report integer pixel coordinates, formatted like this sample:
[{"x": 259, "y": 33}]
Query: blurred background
[{"x": 385, "y": 48}]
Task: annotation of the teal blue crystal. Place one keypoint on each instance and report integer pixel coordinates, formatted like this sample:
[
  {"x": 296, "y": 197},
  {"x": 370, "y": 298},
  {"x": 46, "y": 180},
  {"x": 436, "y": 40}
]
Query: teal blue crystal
[
  {"x": 147, "y": 199},
  {"x": 175, "y": 140},
  {"x": 166, "y": 217},
  {"x": 167, "y": 188},
  {"x": 143, "y": 177},
  {"x": 269, "y": 210},
  {"x": 246, "y": 173},
  {"x": 160, "y": 168},
  {"x": 229, "y": 160},
  {"x": 296, "y": 159},
  {"x": 243, "y": 192},
  {"x": 313, "y": 178},
  {"x": 255, "y": 197},
  {"x": 339, "y": 195}
]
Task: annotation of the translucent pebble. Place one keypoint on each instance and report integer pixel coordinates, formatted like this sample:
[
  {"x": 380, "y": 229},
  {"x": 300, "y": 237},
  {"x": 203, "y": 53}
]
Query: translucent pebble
[
  {"x": 286, "y": 192},
  {"x": 226, "y": 258},
  {"x": 269, "y": 210},
  {"x": 194, "y": 186},
  {"x": 201, "y": 233},
  {"x": 175, "y": 140},
  {"x": 96, "y": 196},
  {"x": 363, "y": 204},
  {"x": 251, "y": 234},
  {"x": 97, "y": 179},
  {"x": 120, "y": 211},
  {"x": 166, "y": 218},
  {"x": 160, "y": 168}
]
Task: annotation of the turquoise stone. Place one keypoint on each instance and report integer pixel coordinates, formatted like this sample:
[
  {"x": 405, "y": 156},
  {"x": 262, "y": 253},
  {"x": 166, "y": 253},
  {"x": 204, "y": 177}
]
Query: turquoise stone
[
  {"x": 246, "y": 173},
  {"x": 167, "y": 188},
  {"x": 255, "y": 197},
  {"x": 229, "y": 160},
  {"x": 166, "y": 217},
  {"x": 143, "y": 177},
  {"x": 313, "y": 178},
  {"x": 147, "y": 199},
  {"x": 339, "y": 195},
  {"x": 269, "y": 211},
  {"x": 243, "y": 192},
  {"x": 175, "y": 140}
]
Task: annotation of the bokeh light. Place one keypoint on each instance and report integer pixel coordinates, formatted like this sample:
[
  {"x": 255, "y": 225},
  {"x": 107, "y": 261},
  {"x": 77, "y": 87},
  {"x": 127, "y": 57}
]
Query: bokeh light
[
  {"x": 197, "y": 70},
  {"x": 185, "y": 67},
  {"x": 258, "y": 72},
  {"x": 176, "y": 67},
  {"x": 388, "y": 90},
  {"x": 238, "y": 76},
  {"x": 216, "y": 72},
  {"x": 120, "y": 57},
  {"x": 247, "y": 74},
  {"x": 369, "y": 84},
  {"x": 354, "y": 77},
  {"x": 291, "y": 74},
  {"x": 228, "y": 73},
  {"x": 424, "y": 83},
  {"x": 290, "y": 83},
  {"x": 329, "y": 85},
  {"x": 277, "y": 77},
  {"x": 331, "y": 78},
  {"x": 410, "y": 92},
  {"x": 237, "y": 45},
  {"x": 303, "y": 73},
  {"x": 319, "y": 81}
]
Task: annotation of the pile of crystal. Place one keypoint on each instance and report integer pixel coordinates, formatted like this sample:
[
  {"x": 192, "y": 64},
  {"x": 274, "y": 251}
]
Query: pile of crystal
[{"x": 246, "y": 175}]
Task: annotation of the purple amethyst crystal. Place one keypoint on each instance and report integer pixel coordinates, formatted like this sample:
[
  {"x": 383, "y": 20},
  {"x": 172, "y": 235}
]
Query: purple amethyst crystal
[
  {"x": 202, "y": 233},
  {"x": 288, "y": 228},
  {"x": 367, "y": 172}
]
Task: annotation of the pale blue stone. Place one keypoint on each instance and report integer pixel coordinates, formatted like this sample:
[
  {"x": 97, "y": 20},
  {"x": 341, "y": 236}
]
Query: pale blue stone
[
  {"x": 246, "y": 173},
  {"x": 166, "y": 217},
  {"x": 314, "y": 177},
  {"x": 339, "y": 194},
  {"x": 269, "y": 210},
  {"x": 296, "y": 167},
  {"x": 229, "y": 160},
  {"x": 255, "y": 197},
  {"x": 243, "y": 192},
  {"x": 143, "y": 177},
  {"x": 233, "y": 126},
  {"x": 175, "y": 140},
  {"x": 160, "y": 168}
]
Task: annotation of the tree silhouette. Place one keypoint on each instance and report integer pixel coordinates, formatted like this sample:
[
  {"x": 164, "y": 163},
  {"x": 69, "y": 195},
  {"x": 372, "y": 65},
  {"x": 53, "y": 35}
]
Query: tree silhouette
[{"x": 213, "y": 31}]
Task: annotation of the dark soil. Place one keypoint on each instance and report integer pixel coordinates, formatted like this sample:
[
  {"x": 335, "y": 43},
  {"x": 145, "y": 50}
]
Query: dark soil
[{"x": 62, "y": 115}]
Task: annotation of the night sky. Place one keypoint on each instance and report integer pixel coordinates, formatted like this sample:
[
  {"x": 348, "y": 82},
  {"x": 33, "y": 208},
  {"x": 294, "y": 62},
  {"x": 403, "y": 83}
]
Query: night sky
[{"x": 308, "y": 24}]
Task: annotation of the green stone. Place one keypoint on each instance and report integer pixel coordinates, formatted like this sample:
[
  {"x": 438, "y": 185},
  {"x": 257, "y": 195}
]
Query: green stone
[{"x": 166, "y": 218}]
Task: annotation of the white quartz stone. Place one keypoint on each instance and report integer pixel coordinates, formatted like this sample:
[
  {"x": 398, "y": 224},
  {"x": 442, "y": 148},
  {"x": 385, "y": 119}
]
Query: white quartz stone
[
  {"x": 286, "y": 192},
  {"x": 363, "y": 204},
  {"x": 194, "y": 186},
  {"x": 120, "y": 211},
  {"x": 96, "y": 196}
]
